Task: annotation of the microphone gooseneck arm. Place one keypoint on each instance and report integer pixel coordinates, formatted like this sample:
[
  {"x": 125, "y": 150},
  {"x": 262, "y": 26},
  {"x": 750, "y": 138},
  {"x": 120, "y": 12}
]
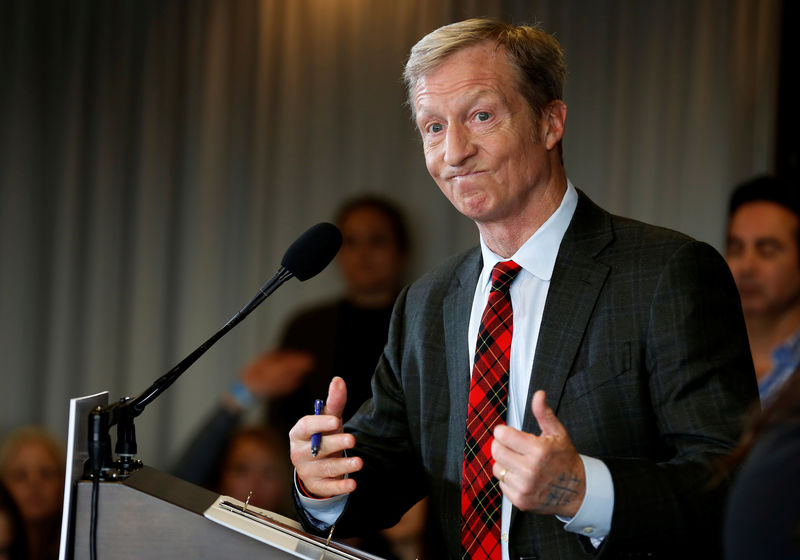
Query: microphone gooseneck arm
[
  {"x": 123, "y": 412},
  {"x": 161, "y": 384},
  {"x": 306, "y": 257}
]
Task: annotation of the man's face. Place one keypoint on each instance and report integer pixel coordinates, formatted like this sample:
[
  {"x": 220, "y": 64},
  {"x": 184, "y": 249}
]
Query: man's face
[
  {"x": 762, "y": 254},
  {"x": 482, "y": 144}
]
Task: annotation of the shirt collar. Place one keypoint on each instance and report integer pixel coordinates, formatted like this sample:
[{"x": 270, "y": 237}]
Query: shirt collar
[{"x": 538, "y": 254}]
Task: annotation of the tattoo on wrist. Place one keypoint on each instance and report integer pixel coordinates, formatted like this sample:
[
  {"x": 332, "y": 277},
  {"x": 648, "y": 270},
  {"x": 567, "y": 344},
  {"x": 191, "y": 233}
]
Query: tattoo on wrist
[{"x": 563, "y": 491}]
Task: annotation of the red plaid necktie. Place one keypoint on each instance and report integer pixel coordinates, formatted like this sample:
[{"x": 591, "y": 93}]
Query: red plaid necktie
[{"x": 480, "y": 493}]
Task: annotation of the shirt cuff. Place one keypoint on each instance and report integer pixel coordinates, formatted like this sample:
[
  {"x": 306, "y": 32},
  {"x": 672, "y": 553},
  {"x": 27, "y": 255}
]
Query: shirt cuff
[
  {"x": 593, "y": 519},
  {"x": 324, "y": 510}
]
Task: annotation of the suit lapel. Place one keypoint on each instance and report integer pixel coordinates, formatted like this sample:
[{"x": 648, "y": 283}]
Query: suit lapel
[
  {"x": 574, "y": 289},
  {"x": 457, "y": 308}
]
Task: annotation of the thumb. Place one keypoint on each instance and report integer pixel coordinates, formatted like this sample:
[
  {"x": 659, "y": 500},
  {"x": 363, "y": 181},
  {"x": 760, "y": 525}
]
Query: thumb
[
  {"x": 337, "y": 397},
  {"x": 548, "y": 422}
]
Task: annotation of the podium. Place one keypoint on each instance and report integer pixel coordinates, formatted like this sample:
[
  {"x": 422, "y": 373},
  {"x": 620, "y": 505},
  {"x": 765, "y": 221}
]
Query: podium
[
  {"x": 151, "y": 514},
  {"x": 155, "y": 515}
]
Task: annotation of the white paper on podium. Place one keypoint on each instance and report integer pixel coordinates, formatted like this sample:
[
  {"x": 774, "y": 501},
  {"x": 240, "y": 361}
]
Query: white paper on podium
[
  {"x": 278, "y": 531},
  {"x": 77, "y": 454}
]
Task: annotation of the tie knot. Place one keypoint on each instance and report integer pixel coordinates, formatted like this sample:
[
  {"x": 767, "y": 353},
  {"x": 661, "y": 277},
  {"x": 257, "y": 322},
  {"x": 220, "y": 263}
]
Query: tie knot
[{"x": 503, "y": 274}]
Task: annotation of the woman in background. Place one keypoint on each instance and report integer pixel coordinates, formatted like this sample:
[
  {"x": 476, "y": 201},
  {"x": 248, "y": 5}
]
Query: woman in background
[
  {"x": 254, "y": 461},
  {"x": 32, "y": 469}
]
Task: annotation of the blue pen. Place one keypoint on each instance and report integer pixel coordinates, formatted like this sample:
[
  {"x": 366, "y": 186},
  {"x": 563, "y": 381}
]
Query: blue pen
[{"x": 316, "y": 439}]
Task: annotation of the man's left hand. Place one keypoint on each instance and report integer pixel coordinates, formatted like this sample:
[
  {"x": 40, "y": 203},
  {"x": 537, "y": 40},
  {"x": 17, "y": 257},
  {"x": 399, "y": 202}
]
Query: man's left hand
[{"x": 543, "y": 473}]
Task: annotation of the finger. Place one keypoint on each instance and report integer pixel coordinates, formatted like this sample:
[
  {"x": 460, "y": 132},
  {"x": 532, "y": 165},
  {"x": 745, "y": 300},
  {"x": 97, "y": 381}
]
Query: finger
[
  {"x": 331, "y": 468},
  {"x": 510, "y": 437},
  {"x": 337, "y": 397},
  {"x": 548, "y": 422},
  {"x": 333, "y": 444},
  {"x": 326, "y": 478},
  {"x": 499, "y": 472},
  {"x": 328, "y": 488},
  {"x": 338, "y": 467},
  {"x": 510, "y": 446},
  {"x": 313, "y": 424}
]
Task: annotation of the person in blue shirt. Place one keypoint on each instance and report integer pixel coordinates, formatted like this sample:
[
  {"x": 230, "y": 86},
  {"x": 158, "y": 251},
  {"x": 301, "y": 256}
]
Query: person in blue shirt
[{"x": 763, "y": 253}]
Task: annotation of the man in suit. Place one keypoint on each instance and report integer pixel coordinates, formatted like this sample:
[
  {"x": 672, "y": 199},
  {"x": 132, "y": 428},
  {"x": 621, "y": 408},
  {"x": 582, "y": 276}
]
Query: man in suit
[{"x": 628, "y": 371}]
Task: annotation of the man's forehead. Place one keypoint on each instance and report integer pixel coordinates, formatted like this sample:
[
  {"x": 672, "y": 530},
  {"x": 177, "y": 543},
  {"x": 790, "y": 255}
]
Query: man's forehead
[
  {"x": 762, "y": 219},
  {"x": 760, "y": 210},
  {"x": 475, "y": 69},
  {"x": 477, "y": 56}
]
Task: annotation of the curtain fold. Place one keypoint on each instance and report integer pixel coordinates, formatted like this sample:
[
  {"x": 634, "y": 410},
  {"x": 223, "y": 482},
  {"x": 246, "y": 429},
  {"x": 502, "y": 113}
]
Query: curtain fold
[{"x": 157, "y": 158}]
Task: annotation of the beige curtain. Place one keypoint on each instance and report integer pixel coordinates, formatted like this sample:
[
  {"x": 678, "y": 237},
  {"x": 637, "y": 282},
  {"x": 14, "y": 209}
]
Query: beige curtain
[{"x": 157, "y": 157}]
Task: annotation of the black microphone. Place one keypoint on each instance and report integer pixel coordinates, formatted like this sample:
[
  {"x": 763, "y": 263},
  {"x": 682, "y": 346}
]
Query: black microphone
[
  {"x": 305, "y": 258},
  {"x": 312, "y": 251}
]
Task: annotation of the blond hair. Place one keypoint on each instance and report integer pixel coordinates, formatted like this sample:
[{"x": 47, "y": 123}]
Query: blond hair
[{"x": 536, "y": 56}]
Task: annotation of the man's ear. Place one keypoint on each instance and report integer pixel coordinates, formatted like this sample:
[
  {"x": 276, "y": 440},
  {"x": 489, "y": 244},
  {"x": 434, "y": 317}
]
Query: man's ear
[{"x": 554, "y": 122}]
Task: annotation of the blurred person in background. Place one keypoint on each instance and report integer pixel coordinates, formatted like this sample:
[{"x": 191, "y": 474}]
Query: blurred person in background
[
  {"x": 763, "y": 253},
  {"x": 32, "y": 468},
  {"x": 13, "y": 545},
  {"x": 762, "y": 518},
  {"x": 254, "y": 461},
  {"x": 345, "y": 337}
]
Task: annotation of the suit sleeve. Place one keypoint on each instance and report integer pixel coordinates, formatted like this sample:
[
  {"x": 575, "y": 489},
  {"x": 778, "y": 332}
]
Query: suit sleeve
[{"x": 391, "y": 480}]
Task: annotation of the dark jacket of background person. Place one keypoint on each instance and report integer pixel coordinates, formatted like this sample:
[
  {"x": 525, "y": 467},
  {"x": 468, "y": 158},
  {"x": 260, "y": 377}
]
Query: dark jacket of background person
[
  {"x": 12, "y": 543},
  {"x": 763, "y": 514},
  {"x": 330, "y": 332},
  {"x": 345, "y": 340}
]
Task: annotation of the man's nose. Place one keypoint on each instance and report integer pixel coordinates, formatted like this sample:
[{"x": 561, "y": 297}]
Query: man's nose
[
  {"x": 458, "y": 145},
  {"x": 746, "y": 263}
]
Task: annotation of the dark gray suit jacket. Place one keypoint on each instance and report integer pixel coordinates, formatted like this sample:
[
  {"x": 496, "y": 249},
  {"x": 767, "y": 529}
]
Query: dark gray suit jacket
[{"x": 644, "y": 357}]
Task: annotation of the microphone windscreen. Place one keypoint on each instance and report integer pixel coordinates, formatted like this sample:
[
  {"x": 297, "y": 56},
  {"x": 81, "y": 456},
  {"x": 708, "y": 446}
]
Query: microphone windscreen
[{"x": 312, "y": 251}]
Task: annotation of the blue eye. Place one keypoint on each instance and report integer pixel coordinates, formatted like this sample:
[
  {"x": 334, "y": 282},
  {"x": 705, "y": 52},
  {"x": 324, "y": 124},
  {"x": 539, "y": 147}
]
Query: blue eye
[
  {"x": 483, "y": 116},
  {"x": 435, "y": 127}
]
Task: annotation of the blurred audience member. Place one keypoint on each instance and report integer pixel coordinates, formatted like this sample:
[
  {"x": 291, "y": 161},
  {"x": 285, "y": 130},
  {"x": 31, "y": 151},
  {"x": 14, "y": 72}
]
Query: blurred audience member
[
  {"x": 254, "y": 461},
  {"x": 762, "y": 519},
  {"x": 346, "y": 337},
  {"x": 32, "y": 468},
  {"x": 763, "y": 252},
  {"x": 13, "y": 544}
]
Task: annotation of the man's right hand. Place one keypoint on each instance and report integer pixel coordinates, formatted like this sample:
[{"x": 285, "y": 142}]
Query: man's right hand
[{"x": 323, "y": 475}]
